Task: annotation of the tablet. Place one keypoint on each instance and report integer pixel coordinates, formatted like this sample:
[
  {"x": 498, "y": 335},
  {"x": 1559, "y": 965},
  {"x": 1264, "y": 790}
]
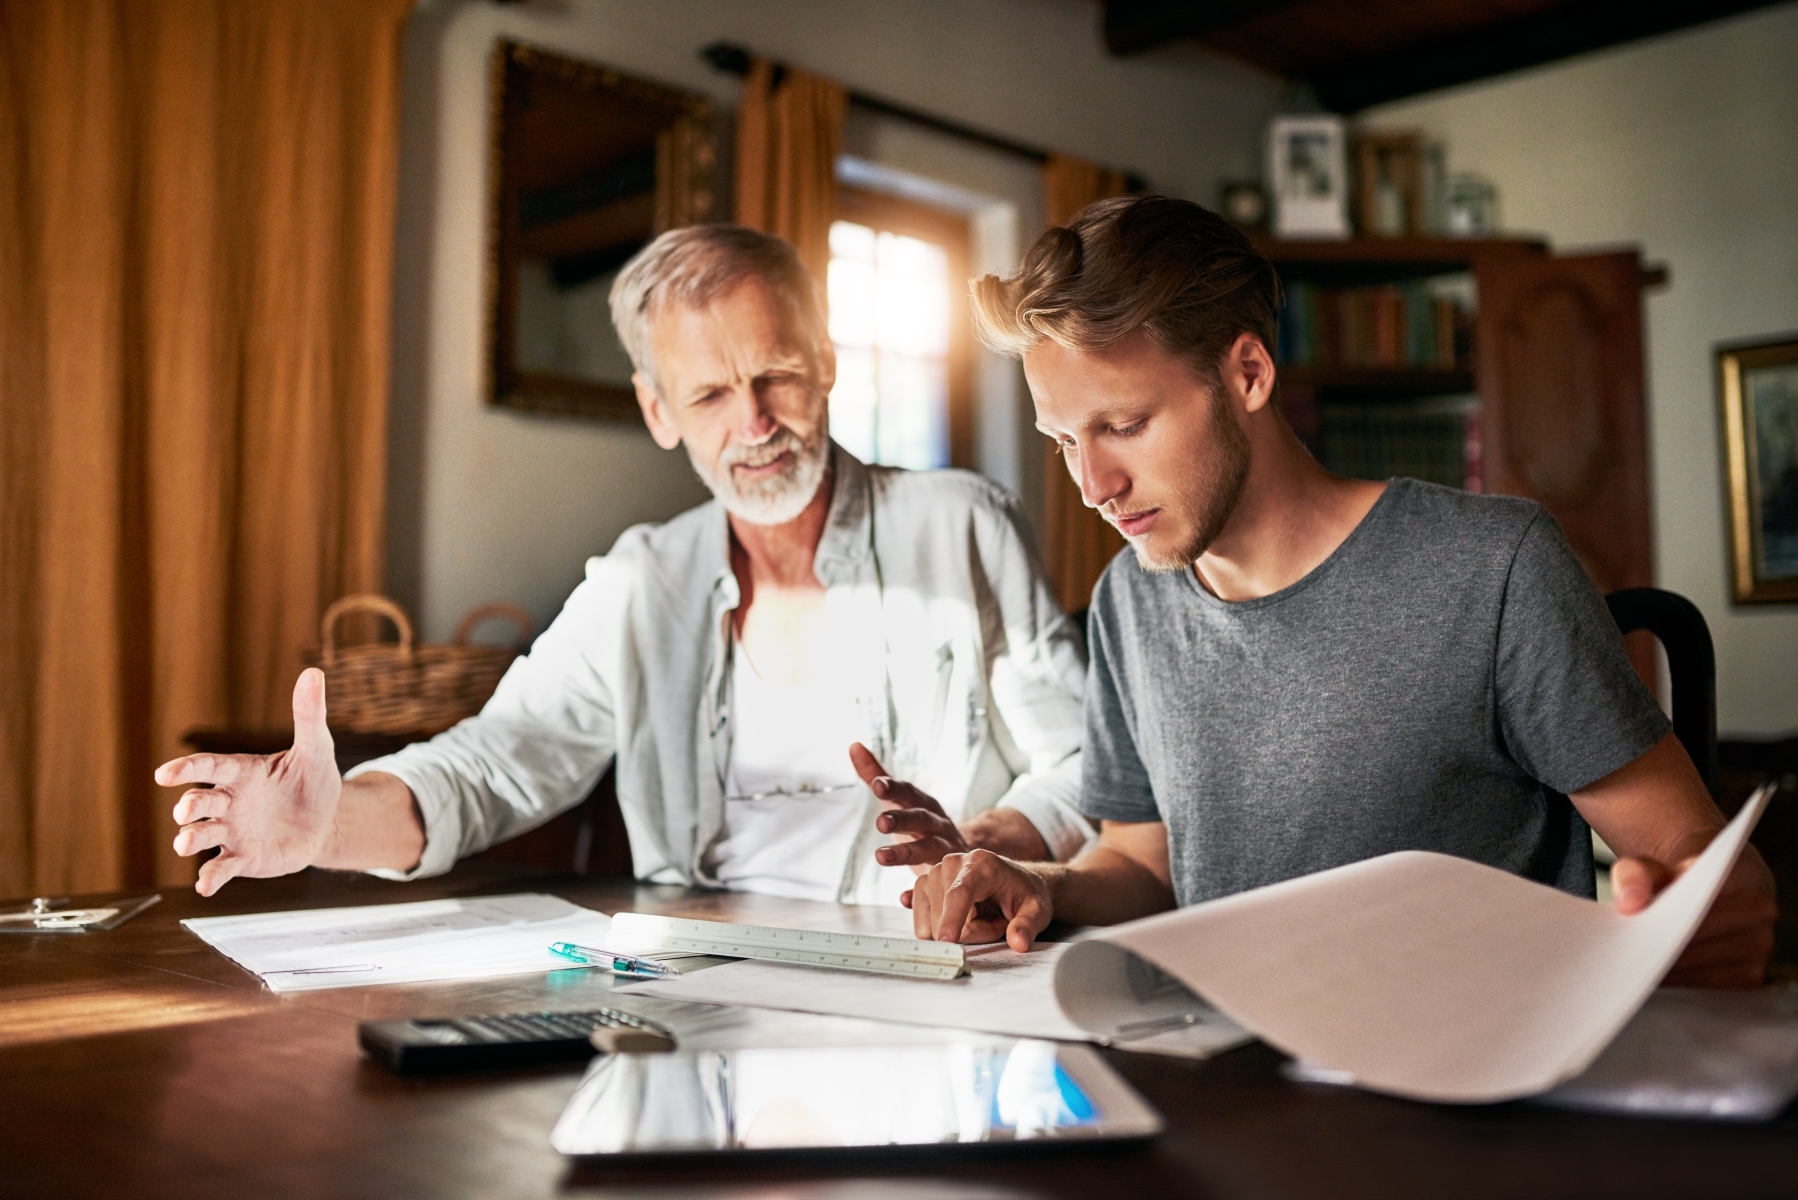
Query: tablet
[{"x": 985, "y": 1093}]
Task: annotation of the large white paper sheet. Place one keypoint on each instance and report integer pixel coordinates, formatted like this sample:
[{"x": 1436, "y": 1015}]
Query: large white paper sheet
[
  {"x": 422, "y": 942},
  {"x": 1004, "y": 992},
  {"x": 1414, "y": 973}
]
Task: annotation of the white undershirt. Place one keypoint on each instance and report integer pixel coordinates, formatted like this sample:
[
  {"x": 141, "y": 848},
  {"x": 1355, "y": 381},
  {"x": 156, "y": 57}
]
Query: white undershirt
[{"x": 785, "y": 739}]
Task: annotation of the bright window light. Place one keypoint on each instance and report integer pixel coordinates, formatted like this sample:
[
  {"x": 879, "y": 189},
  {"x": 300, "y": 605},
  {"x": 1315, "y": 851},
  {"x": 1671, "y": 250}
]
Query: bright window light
[{"x": 889, "y": 318}]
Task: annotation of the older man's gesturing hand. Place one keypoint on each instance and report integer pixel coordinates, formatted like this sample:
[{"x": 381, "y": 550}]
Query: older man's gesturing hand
[
  {"x": 924, "y": 831},
  {"x": 269, "y": 814}
]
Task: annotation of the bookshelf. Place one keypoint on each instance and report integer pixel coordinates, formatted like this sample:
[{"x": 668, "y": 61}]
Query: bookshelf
[{"x": 1538, "y": 390}]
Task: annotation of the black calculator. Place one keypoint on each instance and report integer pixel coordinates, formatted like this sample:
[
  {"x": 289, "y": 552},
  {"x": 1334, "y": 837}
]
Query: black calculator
[{"x": 429, "y": 1044}]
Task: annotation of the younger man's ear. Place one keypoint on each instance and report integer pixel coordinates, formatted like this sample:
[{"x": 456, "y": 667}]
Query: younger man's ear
[
  {"x": 1252, "y": 368},
  {"x": 655, "y": 413}
]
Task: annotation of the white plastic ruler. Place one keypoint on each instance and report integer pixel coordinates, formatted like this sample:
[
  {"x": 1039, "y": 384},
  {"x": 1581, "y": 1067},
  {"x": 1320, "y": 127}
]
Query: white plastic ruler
[{"x": 645, "y": 934}]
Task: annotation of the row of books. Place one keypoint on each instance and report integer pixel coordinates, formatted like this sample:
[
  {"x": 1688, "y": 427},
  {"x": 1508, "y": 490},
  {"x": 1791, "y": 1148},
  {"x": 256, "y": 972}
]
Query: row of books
[
  {"x": 1394, "y": 326},
  {"x": 1434, "y": 440}
]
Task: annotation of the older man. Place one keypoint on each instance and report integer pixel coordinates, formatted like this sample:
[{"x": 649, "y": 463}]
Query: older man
[{"x": 730, "y": 658}]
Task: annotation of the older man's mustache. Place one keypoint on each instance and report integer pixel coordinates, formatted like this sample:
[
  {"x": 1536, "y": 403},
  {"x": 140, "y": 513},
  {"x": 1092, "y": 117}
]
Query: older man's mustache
[{"x": 782, "y": 442}]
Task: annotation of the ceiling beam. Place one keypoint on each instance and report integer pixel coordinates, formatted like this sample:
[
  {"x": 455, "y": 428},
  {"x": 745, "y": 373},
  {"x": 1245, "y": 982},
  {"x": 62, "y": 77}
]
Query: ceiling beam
[
  {"x": 1136, "y": 26},
  {"x": 1512, "y": 45}
]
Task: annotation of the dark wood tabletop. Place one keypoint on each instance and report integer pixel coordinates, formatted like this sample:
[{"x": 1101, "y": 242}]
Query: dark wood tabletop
[{"x": 140, "y": 1063}]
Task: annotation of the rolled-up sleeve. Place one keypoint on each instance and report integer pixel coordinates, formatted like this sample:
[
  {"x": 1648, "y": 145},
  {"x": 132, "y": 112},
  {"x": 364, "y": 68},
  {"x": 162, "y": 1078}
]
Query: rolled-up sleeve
[
  {"x": 1035, "y": 684},
  {"x": 536, "y": 749}
]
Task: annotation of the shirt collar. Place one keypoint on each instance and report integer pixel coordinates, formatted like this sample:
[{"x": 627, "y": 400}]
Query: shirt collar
[
  {"x": 848, "y": 535},
  {"x": 849, "y": 528}
]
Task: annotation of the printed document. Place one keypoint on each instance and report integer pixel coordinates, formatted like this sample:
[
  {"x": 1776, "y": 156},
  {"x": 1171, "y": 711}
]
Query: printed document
[
  {"x": 1413, "y": 973},
  {"x": 428, "y": 941},
  {"x": 1004, "y": 992}
]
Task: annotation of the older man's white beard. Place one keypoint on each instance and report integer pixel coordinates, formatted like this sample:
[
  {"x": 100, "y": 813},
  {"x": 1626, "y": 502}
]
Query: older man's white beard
[{"x": 772, "y": 501}]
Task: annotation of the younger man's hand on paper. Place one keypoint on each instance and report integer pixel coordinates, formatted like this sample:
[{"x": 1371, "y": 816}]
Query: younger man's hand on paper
[
  {"x": 269, "y": 814},
  {"x": 980, "y": 897},
  {"x": 1731, "y": 947}
]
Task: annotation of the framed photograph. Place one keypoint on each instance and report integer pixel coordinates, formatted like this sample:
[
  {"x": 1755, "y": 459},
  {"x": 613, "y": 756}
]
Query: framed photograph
[
  {"x": 1758, "y": 387},
  {"x": 1308, "y": 166}
]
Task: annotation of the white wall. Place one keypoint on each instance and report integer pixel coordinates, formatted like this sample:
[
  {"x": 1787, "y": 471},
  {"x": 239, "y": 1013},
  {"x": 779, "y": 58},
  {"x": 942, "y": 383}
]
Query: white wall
[
  {"x": 1687, "y": 146},
  {"x": 491, "y": 504}
]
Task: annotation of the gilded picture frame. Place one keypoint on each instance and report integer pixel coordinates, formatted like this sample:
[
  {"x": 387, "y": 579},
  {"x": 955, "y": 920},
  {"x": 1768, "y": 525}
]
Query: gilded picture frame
[
  {"x": 595, "y": 108},
  {"x": 1757, "y": 387}
]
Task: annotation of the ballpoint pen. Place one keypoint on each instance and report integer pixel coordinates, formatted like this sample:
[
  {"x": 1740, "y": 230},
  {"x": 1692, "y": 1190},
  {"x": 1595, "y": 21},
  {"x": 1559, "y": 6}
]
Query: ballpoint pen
[{"x": 623, "y": 964}]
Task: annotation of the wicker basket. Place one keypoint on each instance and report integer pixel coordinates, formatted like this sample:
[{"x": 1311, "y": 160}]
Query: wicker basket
[{"x": 383, "y": 687}]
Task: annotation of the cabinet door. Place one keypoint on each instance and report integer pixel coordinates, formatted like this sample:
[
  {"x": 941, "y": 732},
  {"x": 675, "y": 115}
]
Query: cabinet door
[{"x": 1561, "y": 389}]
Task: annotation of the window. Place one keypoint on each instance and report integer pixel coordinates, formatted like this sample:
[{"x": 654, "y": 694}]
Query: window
[{"x": 895, "y": 295}]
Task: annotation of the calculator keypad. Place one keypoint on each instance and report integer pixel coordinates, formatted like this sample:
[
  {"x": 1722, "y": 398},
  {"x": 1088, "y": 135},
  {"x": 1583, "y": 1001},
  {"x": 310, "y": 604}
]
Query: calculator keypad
[{"x": 549, "y": 1027}]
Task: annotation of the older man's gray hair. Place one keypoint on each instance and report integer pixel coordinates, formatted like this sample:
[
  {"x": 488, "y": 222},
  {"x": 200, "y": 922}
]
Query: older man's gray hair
[{"x": 691, "y": 267}]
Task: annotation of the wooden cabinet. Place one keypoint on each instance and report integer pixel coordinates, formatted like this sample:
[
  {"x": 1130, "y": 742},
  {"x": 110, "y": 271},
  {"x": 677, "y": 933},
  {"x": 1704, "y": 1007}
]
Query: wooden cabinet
[{"x": 1563, "y": 414}]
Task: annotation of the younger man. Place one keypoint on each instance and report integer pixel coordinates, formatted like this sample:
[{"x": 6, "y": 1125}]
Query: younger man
[{"x": 1293, "y": 670}]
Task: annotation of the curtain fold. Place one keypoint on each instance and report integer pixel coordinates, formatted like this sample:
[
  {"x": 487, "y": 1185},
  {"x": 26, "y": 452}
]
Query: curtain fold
[
  {"x": 789, "y": 137},
  {"x": 195, "y": 247},
  {"x": 1077, "y": 541}
]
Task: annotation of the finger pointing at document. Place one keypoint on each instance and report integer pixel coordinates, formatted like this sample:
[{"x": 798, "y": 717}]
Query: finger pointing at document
[
  {"x": 981, "y": 897},
  {"x": 924, "y": 833}
]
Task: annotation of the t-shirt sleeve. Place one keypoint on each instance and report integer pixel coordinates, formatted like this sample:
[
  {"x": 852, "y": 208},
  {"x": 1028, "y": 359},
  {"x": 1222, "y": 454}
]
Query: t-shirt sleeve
[
  {"x": 1571, "y": 708},
  {"x": 1114, "y": 784}
]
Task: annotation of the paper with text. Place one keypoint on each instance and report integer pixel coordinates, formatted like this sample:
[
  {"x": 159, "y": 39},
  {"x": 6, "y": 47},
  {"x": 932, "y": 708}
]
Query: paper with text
[{"x": 427, "y": 941}]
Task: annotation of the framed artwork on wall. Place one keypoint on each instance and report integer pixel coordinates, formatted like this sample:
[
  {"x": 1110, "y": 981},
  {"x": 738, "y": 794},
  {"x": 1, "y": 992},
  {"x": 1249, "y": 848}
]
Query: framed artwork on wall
[
  {"x": 1758, "y": 388},
  {"x": 585, "y": 165}
]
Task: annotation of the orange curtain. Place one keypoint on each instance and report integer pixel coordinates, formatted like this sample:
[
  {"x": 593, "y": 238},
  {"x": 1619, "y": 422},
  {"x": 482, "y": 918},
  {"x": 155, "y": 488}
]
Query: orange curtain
[
  {"x": 196, "y": 208},
  {"x": 789, "y": 136},
  {"x": 1077, "y": 543}
]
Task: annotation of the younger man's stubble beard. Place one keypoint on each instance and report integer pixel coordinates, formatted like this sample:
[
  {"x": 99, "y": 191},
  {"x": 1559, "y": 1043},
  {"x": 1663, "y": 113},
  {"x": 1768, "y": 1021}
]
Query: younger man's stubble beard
[{"x": 1210, "y": 497}]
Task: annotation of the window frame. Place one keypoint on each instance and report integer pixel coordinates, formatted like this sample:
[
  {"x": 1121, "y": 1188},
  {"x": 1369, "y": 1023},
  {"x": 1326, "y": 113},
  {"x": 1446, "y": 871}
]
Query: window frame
[{"x": 890, "y": 214}]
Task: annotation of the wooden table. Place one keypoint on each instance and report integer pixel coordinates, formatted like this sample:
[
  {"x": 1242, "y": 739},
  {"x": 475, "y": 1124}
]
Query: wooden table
[{"x": 139, "y": 1063}]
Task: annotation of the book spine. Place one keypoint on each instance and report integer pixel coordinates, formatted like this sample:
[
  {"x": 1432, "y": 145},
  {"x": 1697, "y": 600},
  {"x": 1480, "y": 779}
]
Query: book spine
[{"x": 1445, "y": 334}]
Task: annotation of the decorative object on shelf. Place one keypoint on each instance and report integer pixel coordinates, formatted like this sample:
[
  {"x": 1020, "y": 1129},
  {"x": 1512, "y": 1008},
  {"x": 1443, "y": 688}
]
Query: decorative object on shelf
[
  {"x": 1469, "y": 206},
  {"x": 1758, "y": 388},
  {"x": 1244, "y": 203},
  {"x": 384, "y": 687},
  {"x": 1308, "y": 164},
  {"x": 1389, "y": 199}
]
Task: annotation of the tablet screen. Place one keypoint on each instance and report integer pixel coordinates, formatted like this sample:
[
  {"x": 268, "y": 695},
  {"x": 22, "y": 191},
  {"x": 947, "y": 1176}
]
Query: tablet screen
[{"x": 768, "y": 1099}]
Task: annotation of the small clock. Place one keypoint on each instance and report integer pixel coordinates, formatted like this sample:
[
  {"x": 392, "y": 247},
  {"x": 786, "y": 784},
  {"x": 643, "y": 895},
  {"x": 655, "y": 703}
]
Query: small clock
[{"x": 1245, "y": 203}]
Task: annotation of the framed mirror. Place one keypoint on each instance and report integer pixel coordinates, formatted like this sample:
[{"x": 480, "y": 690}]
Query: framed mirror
[{"x": 587, "y": 164}]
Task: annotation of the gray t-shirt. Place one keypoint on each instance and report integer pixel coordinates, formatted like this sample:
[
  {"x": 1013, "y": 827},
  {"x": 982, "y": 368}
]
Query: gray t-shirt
[{"x": 1440, "y": 683}]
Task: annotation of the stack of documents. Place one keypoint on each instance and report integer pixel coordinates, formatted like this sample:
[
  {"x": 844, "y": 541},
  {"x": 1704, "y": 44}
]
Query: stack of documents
[
  {"x": 428, "y": 941},
  {"x": 1417, "y": 974}
]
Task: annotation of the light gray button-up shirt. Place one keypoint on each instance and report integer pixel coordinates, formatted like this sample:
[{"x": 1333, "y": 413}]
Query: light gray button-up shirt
[{"x": 969, "y": 681}]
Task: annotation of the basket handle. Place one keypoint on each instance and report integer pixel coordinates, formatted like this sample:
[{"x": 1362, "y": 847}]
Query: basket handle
[
  {"x": 478, "y": 616},
  {"x": 363, "y": 602}
]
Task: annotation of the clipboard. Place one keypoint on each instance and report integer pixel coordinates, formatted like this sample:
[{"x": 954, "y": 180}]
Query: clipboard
[{"x": 51, "y": 914}]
